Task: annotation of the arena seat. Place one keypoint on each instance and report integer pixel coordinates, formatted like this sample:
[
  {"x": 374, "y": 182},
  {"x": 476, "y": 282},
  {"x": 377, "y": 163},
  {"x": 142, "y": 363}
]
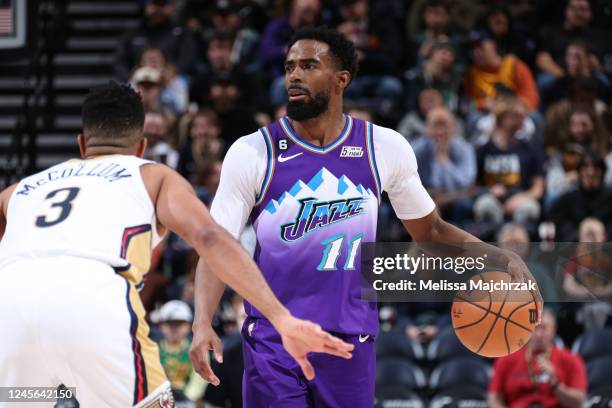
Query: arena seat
[
  {"x": 396, "y": 344},
  {"x": 397, "y": 397},
  {"x": 459, "y": 398},
  {"x": 446, "y": 345},
  {"x": 395, "y": 372},
  {"x": 460, "y": 372},
  {"x": 593, "y": 344},
  {"x": 599, "y": 371}
]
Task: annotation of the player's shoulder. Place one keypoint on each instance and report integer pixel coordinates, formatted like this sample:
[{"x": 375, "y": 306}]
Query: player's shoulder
[
  {"x": 391, "y": 147},
  {"x": 387, "y": 139},
  {"x": 385, "y": 134},
  {"x": 5, "y": 196},
  {"x": 247, "y": 148}
]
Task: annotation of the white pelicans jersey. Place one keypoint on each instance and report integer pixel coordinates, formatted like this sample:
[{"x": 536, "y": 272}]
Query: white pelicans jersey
[{"x": 98, "y": 209}]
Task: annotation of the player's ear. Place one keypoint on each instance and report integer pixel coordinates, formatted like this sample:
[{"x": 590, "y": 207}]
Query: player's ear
[
  {"x": 142, "y": 146},
  {"x": 82, "y": 146},
  {"x": 343, "y": 79}
]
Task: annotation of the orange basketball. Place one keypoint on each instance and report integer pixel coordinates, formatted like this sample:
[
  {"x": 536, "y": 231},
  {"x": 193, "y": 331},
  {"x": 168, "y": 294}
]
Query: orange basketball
[{"x": 493, "y": 317}]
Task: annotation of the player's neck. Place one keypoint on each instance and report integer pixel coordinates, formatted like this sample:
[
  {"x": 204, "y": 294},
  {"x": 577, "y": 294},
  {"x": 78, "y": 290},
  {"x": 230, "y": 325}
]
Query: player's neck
[
  {"x": 323, "y": 129},
  {"x": 94, "y": 152}
]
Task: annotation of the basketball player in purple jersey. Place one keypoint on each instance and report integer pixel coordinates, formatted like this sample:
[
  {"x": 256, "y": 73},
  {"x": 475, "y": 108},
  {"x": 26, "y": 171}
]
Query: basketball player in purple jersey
[{"x": 311, "y": 184}]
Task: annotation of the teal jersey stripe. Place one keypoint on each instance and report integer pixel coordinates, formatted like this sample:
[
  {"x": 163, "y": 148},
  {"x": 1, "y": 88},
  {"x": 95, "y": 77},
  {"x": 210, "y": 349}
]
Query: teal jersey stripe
[
  {"x": 270, "y": 168},
  {"x": 370, "y": 147}
]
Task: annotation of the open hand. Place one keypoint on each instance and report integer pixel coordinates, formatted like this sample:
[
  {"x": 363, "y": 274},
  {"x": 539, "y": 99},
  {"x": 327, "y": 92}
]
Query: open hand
[
  {"x": 204, "y": 340},
  {"x": 301, "y": 337}
]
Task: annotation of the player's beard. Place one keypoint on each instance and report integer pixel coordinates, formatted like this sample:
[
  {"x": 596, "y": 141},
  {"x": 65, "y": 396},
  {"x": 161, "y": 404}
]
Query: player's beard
[{"x": 309, "y": 108}]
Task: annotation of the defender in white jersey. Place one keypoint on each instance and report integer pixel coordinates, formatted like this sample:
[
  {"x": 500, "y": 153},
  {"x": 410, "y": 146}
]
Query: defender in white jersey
[{"x": 75, "y": 245}]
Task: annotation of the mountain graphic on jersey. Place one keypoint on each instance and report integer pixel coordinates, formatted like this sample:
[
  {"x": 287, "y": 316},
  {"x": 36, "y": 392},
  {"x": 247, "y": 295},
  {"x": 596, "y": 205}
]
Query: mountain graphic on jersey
[{"x": 314, "y": 205}]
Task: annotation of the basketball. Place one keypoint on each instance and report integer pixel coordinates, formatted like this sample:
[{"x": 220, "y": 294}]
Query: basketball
[{"x": 491, "y": 318}]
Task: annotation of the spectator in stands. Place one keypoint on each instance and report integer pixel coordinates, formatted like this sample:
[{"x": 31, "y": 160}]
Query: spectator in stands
[
  {"x": 236, "y": 118},
  {"x": 278, "y": 32},
  {"x": 412, "y": 126},
  {"x": 539, "y": 374},
  {"x": 435, "y": 27},
  {"x": 159, "y": 148},
  {"x": 447, "y": 166},
  {"x": 157, "y": 29},
  {"x": 207, "y": 180},
  {"x": 230, "y": 372},
  {"x": 480, "y": 126},
  {"x": 584, "y": 131},
  {"x": 147, "y": 82},
  {"x": 500, "y": 25},
  {"x": 578, "y": 66},
  {"x": 554, "y": 39},
  {"x": 175, "y": 319},
  {"x": 590, "y": 199},
  {"x": 515, "y": 237},
  {"x": 588, "y": 275},
  {"x": 202, "y": 144},
  {"x": 220, "y": 62},
  {"x": 174, "y": 93},
  {"x": 438, "y": 71},
  {"x": 423, "y": 321},
  {"x": 378, "y": 48},
  {"x": 510, "y": 169},
  {"x": 583, "y": 127},
  {"x": 491, "y": 74},
  {"x": 227, "y": 19},
  {"x": 202, "y": 15},
  {"x": 582, "y": 95},
  {"x": 562, "y": 171}
]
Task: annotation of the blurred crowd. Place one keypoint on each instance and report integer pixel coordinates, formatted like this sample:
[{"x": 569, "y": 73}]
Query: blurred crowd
[{"x": 507, "y": 105}]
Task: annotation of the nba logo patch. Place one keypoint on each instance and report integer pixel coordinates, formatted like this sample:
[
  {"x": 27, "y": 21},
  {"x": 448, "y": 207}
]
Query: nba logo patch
[{"x": 351, "y": 151}]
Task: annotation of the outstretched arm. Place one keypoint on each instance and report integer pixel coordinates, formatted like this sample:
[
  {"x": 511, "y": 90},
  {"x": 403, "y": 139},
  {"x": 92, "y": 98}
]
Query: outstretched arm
[
  {"x": 243, "y": 166},
  {"x": 208, "y": 291},
  {"x": 433, "y": 229}
]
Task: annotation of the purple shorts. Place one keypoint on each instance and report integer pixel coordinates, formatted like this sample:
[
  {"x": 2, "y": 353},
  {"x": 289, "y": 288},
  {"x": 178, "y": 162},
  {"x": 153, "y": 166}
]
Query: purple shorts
[{"x": 272, "y": 378}]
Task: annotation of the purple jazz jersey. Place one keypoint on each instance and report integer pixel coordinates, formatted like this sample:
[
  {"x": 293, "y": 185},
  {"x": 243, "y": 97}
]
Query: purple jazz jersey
[{"x": 316, "y": 207}]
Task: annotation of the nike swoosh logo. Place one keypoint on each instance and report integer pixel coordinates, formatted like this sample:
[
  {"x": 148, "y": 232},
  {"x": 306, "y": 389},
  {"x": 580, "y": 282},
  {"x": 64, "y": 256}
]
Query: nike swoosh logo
[
  {"x": 282, "y": 159},
  {"x": 362, "y": 339}
]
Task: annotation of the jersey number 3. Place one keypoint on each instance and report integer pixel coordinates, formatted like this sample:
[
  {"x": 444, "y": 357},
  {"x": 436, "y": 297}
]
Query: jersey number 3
[{"x": 64, "y": 205}]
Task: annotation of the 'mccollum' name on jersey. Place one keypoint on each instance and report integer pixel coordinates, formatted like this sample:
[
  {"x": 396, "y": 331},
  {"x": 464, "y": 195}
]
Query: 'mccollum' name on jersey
[{"x": 109, "y": 171}]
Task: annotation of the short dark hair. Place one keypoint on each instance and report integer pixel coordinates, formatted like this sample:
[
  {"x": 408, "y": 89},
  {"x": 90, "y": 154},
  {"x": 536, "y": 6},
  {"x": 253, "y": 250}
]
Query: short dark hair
[
  {"x": 112, "y": 111},
  {"x": 342, "y": 49},
  {"x": 592, "y": 156},
  {"x": 436, "y": 3}
]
